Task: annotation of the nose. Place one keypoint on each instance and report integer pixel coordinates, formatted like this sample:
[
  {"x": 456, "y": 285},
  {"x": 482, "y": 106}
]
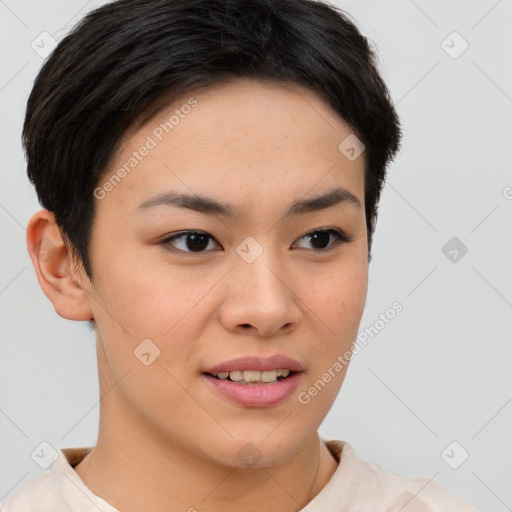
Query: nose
[{"x": 261, "y": 300}]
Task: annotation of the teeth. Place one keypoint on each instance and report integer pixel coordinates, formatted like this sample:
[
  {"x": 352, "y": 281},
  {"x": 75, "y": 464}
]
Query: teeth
[
  {"x": 269, "y": 376},
  {"x": 249, "y": 376},
  {"x": 252, "y": 376}
]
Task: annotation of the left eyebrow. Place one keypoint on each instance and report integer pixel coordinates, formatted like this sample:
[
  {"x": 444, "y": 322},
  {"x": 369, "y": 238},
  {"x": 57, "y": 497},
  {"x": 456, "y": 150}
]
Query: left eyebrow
[
  {"x": 211, "y": 206},
  {"x": 326, "y": 200}
]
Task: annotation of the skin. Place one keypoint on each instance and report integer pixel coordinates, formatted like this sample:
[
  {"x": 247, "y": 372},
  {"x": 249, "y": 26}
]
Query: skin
[{"x": 258, "y": 145}]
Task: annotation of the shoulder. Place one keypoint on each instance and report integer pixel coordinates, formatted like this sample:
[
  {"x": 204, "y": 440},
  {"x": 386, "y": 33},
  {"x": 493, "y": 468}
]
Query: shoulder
[
  {"x": 370, "y": 485},
  {"x": 40, "y": 494},
  {"x": 55, "y": 488}
]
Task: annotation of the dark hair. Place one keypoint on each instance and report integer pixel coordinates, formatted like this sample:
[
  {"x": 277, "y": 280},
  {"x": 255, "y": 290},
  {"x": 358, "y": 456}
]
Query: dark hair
[{"x": 131, "y": 57}]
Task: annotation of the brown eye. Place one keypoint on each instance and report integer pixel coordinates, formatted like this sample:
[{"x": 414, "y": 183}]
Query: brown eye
[
  {"x": 321, "y": 238},
  {"x": 188, "y": 241}
]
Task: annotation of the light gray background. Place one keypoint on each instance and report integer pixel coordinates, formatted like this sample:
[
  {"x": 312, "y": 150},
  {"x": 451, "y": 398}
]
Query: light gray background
[{"x": 440, "y": 371}]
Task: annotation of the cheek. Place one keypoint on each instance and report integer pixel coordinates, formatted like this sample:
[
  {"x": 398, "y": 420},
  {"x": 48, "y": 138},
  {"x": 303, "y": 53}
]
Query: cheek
[
  {"x": 153, "y": 301},
  {"x": 337, "y": 299},
  {"x": 146, "y": 337}
]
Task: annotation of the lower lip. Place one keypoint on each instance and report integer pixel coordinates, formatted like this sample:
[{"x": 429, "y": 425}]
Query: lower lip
[{"x": 256, "y": 395}]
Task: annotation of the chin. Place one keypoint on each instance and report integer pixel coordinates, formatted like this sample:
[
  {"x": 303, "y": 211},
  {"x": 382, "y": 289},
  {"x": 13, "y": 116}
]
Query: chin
[{"x": 263, "y": 451}]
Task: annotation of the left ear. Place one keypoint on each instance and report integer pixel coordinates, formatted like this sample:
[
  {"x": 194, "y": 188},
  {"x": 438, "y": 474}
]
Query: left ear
[{"x": 60, "y": 280}]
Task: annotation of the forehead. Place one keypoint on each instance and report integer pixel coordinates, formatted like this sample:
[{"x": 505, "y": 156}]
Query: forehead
[{"x": 236, "y": 138}]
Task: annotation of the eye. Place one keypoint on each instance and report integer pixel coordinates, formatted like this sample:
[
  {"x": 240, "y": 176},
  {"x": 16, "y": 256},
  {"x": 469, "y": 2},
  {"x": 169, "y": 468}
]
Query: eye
[
  {"x": 189, "y": 241},
  {"x": 320, "y": 238},
  {"x": 199, "y": 241}
]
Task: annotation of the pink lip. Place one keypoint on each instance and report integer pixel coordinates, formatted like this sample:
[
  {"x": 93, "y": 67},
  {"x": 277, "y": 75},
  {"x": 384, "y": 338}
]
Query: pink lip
[
  {"x": 274, "y": 362},
  {"x": 256, "y": 395}
]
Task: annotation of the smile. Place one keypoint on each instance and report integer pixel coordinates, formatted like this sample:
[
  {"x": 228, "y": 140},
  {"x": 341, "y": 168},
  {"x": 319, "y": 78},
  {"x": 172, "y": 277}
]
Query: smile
[{"x": 254, "y": 377}]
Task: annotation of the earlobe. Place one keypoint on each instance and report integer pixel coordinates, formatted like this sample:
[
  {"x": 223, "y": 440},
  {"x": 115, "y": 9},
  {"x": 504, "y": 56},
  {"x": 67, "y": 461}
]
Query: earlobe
[{"x": 54, "y": 270}]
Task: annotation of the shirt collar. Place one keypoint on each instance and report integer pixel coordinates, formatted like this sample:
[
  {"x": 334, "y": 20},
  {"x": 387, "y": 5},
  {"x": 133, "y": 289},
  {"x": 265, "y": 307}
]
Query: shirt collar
[{"x": 73, "y": 489}]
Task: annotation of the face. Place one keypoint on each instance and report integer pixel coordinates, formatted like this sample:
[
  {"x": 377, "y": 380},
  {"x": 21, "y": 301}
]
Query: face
[{"x": 183, "y": 286}]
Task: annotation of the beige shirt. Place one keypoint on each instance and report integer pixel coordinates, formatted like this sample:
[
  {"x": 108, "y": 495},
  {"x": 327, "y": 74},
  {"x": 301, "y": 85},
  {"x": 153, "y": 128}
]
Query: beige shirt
[{"x": 356, "y": 486}]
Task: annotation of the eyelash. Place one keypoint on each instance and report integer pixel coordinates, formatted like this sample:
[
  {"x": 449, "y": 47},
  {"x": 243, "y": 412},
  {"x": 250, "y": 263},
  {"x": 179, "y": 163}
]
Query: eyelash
[{"x": 340, "y": 236}]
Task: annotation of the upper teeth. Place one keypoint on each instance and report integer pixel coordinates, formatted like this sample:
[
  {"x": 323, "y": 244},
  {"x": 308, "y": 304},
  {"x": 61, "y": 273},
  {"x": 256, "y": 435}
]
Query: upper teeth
[{"x": 254, "y": 376}]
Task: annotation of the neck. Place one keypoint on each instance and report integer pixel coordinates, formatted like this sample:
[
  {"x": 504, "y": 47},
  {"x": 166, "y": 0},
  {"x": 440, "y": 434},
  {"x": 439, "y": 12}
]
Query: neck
[{"x": 134, "y": 472}]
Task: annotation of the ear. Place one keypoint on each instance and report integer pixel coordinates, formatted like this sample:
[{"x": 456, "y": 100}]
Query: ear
[{"x": 58, "y": 277}]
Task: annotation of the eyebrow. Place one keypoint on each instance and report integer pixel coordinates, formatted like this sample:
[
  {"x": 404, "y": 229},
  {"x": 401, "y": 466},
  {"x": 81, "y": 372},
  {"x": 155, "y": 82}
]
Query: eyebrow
[{"x": 210, "y": 206}]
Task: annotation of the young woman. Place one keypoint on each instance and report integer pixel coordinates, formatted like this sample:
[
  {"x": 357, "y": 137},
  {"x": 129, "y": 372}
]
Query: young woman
[{"x": 210, "y": 172}]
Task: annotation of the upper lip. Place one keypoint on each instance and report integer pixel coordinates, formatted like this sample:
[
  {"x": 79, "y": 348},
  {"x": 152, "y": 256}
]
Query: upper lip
[{"x": 274, "y": 362}]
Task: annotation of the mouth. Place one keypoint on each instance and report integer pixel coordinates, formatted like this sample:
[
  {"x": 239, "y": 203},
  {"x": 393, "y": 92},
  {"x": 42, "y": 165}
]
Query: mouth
[
  {"x": 255, "y": 381},
  {"x": 251, "y": 377}
]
